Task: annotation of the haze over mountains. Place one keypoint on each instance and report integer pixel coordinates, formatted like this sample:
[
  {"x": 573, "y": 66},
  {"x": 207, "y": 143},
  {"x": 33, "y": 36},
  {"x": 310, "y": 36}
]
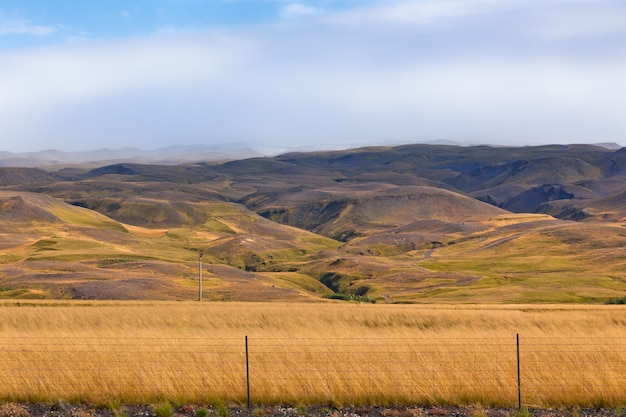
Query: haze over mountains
[
  {"x": 171, "y": 155},
  {"x": 411, "y": 223}
]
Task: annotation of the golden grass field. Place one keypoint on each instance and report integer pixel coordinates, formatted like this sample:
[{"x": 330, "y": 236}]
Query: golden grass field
[{"x": 341, "y": 353}]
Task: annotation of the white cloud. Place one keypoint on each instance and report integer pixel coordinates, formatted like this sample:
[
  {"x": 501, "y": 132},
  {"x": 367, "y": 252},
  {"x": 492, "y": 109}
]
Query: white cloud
[
  {"x": 25, "y": 27},
  {"x": 422, "y": 12},
  {"x": 96, "y": 69},
  {"x": 296, "y": 10},
  {"x": 549, "y": 19},
  {"x": 485, "y": 72},
  {"x": 581, "y": 21}
]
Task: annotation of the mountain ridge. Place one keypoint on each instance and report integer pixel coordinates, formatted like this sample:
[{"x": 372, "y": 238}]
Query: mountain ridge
[{"x": 412, "y": 223}]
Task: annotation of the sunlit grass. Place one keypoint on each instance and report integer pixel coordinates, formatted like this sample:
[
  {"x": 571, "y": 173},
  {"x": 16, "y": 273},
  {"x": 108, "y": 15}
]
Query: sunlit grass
[
  {"x": 312, "y": 353},
  {"x": 507, "y": 259},
  {"x": 299, "y": 281},
  {"x": 85, "y": 217},
  {"x": 568, "y": 263}
]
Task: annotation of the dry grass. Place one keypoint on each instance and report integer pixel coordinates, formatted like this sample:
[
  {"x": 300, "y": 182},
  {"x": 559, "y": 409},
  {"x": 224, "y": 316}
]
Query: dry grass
[{"x": 315, "y": 353}]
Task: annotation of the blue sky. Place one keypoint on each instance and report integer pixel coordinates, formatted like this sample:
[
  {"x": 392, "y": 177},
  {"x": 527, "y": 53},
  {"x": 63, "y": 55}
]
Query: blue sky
[
  {"x": 62, "y": 21},
  {"x": 280, "y": 74}
]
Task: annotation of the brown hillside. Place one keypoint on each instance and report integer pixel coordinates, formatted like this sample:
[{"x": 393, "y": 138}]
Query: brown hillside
[
  {"x": 54, "y": 249},
  {"x": 350, "y": 211},
  {"x": 19, "y": 176},
  {"x": 17, "y": 209},
  {"x": 395, "y": 224}
]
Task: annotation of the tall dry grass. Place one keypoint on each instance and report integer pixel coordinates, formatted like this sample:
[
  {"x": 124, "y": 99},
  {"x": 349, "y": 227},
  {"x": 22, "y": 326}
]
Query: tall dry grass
[{"x": 334, "y": 352}]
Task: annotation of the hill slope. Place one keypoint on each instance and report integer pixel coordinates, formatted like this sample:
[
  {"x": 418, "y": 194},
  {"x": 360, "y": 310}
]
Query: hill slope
[
  {"x": 415, "y": 223},
  {"x": 53, "y": 249}
]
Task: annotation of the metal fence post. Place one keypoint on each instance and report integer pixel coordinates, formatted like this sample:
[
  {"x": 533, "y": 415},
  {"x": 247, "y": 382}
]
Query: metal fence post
[
  {"x": 519, "y": 377},
  {"x": 247, "y": 372}
]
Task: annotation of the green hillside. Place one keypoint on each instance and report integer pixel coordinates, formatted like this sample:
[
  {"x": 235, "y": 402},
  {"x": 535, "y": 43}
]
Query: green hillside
[{"x": 414, "y": 223}]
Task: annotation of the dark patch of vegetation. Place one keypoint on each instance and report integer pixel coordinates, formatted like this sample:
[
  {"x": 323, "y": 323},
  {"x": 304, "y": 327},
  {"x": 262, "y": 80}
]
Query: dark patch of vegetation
[
  {"x": 45, "y": 244},
  {"x": 104, "y": 206},
  {"x": 332, "y": 280},
  {"x": 103, "y": 263},
  {"x": 616, "y": 301},
  {"x": 81, "y": 204},
  {"x": 360, "y": 291},
  {"x": 346, "y": 235},
  {"x": 308, "y": 216},
  {"x": 350, "y": 297}
]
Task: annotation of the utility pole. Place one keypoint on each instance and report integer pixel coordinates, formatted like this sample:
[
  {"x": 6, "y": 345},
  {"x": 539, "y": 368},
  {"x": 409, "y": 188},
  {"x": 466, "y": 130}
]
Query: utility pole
[{"x": 200, "y": 278}]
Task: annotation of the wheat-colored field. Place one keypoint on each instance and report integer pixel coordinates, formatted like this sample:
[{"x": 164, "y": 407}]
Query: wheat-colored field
[{"x": 312, "y": 353}]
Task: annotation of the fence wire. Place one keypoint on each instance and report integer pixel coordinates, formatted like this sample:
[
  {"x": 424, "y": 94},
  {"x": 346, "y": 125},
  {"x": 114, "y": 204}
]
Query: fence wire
[
  {"x": 392, "y": 370},
  {"x": 369, "y": 370},
  {"x": 130, "y": 368},
  {"x": 575, "y": 370}
]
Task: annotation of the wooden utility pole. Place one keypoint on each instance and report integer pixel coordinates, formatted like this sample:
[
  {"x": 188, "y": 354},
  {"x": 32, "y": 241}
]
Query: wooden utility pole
[{"x": 200, "y": 278}]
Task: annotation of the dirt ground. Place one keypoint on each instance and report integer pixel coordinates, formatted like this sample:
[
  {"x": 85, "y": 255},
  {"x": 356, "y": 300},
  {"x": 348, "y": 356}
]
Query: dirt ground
[{"x": 61, "y": 409}]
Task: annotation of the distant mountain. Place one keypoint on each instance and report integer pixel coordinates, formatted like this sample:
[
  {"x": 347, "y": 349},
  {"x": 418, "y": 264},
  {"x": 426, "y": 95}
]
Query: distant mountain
[
  {"x": 170, "y": 155},
  {"x": 609, "y": 145}
]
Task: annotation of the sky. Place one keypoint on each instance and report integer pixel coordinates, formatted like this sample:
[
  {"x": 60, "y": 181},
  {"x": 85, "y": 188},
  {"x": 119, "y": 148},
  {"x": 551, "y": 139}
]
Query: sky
[{"x": 280, "y": 75}]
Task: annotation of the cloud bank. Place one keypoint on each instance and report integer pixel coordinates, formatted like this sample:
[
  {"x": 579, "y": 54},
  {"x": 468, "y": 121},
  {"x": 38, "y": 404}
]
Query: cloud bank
[{"x": 478, "y": 71}]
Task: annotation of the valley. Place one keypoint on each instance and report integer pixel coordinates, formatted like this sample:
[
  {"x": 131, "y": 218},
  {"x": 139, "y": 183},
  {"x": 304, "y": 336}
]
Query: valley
[{"x": 406, "y": 224}]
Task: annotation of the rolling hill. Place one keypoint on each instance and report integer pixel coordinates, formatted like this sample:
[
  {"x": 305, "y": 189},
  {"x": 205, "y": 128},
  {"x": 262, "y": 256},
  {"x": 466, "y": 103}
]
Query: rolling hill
[{"x": 413, "y": 223}]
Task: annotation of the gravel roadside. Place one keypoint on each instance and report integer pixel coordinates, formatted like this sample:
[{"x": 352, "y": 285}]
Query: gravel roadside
[{"x": 62, "y": 409}]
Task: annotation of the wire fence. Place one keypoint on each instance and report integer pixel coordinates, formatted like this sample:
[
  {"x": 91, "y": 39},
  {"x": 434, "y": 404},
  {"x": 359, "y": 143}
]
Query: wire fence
[
  {"x": 505, "y": 371},
  {"x": 576, "y": 370}
]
